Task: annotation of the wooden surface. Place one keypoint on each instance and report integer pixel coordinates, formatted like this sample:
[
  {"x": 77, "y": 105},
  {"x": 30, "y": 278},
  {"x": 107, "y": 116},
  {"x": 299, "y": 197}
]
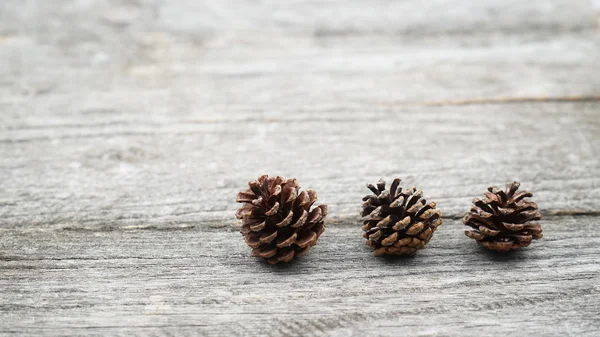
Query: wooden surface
[{"x": 127, "y": 127}]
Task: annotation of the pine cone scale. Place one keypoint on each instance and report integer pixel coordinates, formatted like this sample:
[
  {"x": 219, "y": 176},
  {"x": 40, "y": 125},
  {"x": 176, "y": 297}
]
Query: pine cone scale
[
  {"x": 415, "y": 229},
  {"x": 302, "y": 251},
  {"x": 258, "y": 227},
  {"x": 513, "y": 227},
  {"x": 426, "y": 234},
  {"x": 301, "y": 220},
  {"x": 267, "y": 238},
  {"x": 264, "y": 252},
  {"x": 253, "y": 241},
  {"x": 402, "y": 224},
  {"x": 286, "y": 221},
  {"x": 286, "y": 241},
  {"x": 402, "y": 242},
  {"x": 390, "y": 240},
  {"x": 306, "y": 238},
  {"x": 475, "y": 235}
]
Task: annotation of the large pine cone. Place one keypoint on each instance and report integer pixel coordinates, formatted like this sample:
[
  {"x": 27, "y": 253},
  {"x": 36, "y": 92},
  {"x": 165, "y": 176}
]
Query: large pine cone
[
  {"x": 504, "y": 220},
  {"x": 277, "y": 222},
  {"x": 398, "y": 222}
]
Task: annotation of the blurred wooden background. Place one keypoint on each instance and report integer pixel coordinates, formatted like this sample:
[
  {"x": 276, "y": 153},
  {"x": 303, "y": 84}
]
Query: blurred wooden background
[{"x": 127, "y": 127}]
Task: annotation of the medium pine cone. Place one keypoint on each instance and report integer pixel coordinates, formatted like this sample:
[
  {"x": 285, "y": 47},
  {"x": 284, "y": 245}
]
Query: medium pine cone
[
  {"x": 398, "y": 222},
  {"x": 277, "y": 222},
  {"x": 504, "y": 220}
]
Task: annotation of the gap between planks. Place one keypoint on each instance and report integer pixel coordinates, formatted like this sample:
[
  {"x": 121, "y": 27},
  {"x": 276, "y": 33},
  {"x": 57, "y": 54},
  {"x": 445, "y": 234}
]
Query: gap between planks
[
  {"x": 507, "y": 100},
  {"x": 440, "y": 104},
  {"x": 338, "y": 221}
]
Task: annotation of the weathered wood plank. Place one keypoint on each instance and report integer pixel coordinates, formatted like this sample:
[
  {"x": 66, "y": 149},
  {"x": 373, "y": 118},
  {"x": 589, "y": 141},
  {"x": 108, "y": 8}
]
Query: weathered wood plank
[
  {"x": 166, "y": 74},
  {"x": 202, "y": 281},
  {"x": 184, "y": 169},
  {"x": 321, "y": 18},
  {"x": 137, "y": 137},
  {"x": 126, "y": 128},
  {"x": 128, "y": 56}
]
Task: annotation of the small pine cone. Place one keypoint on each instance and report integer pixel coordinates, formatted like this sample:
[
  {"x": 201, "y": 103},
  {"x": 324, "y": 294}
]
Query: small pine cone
[
  {"x": 277, "y": 222},
  {"x": 504, "y": 220},
  {"x": 398, "y": 222}
]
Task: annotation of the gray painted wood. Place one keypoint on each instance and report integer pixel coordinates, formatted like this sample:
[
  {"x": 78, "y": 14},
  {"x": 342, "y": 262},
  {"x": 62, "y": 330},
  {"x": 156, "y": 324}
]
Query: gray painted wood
[{"x": 127, "y": 127}]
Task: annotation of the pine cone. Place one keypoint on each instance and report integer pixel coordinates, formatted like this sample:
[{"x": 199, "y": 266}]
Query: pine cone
[
  {"x": 504, "y": 220},
  {"x": 398, "y": 222},
  {"x": 277, "y": 222}
]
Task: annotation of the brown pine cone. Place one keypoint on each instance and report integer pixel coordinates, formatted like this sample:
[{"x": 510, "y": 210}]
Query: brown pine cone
[
  {"x": 504, "y": 220},
  {"x": 277, "y": 222},
  {"x": 398, "y": 222}
]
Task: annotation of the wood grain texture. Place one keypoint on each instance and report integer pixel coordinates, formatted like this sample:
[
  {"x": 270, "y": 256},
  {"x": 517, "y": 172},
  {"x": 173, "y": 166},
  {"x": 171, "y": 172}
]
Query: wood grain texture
[
  {"x": 203, "y": 282},
  {"x": 182, "y": 57},
  {"x": 169, "y": 170},
  {"x": 127, "y": 127}
]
